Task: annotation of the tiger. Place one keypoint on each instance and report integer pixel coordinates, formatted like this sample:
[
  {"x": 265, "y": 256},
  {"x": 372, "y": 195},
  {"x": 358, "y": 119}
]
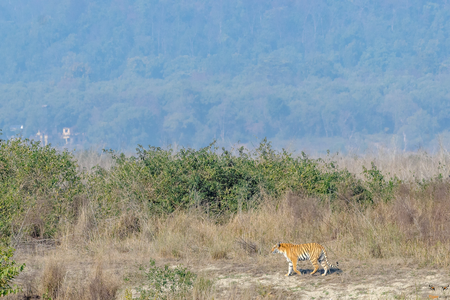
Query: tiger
[{"x": 295, "y": 253}]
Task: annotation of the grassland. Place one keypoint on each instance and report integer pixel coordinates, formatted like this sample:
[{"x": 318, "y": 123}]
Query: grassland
[{"x": 103, "y": 226}]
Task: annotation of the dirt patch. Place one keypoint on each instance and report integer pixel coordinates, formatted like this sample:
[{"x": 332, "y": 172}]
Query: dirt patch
[{"x": 356, "y": 280}]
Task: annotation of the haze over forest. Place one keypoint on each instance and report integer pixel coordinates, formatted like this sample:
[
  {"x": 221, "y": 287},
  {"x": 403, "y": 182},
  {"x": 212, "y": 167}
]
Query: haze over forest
[{"x": 337, "y": 75}]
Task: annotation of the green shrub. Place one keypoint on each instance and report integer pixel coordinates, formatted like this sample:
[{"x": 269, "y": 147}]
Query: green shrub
[
  {"x": 217, "y": 180},
  {"x": 165, "y": 282},
  {"x": 37, "y": 186},
  {"x": 8, "y": 271},
  {"x": 40, "y": 187},
  {"x": 377, "y": 185}
]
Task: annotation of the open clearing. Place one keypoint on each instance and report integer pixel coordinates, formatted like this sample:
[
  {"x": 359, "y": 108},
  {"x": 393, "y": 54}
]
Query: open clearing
[{"x": 357, "y": 280}]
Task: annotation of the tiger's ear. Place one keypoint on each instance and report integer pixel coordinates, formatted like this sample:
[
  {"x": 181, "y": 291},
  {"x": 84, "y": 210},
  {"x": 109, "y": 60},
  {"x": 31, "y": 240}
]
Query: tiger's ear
[{"x": 279, "y": 244}]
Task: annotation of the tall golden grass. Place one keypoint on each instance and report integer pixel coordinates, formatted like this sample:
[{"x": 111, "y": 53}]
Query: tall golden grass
[
  {"x": 415, "y": 224},
  {"x": 407, "y": 166}
]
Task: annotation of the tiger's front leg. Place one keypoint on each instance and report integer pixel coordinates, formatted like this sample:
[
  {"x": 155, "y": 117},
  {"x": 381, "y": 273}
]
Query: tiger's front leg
[
  {"x": 295, "y": 267},
  {"x": 290, "y": 268}
]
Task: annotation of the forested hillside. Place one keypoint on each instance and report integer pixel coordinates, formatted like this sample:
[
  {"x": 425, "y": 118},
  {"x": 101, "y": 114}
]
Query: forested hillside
[{"x": 126, "y": 72}]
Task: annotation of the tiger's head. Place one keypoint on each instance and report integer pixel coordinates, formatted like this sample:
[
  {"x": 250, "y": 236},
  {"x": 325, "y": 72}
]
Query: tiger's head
[{"x": 276, "y": 248}]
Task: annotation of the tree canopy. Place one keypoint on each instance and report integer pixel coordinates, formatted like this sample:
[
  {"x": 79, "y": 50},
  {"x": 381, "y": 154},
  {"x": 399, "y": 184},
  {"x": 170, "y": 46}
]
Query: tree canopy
[{"x": 126, "y": 72}]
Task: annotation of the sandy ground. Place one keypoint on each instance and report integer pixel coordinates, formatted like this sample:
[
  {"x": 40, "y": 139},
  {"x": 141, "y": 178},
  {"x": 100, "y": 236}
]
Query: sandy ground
[
  {"x": 376, "y": 279},
  {"x": 357, "y": 283}
]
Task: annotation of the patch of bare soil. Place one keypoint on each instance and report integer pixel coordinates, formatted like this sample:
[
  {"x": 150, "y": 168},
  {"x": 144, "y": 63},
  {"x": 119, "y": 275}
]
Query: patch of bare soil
[{"x": 378, "y": 279}]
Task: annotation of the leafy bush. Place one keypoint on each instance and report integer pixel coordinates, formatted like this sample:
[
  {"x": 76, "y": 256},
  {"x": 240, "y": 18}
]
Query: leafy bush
[
  {"x": 40, "y": 187},
  {"x": 219, "y": 181},
  {"x": 8, "y": 271},
  {"x": 53, "y": 279},
  {"x": 165, "y": 282},
  {"x": 37, "y": 186},
  {"x": 377, "y": 185}
]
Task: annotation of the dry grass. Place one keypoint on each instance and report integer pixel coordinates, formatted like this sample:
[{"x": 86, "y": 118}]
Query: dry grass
[
  {"x": 53, "y": 279},
  {"x": 93, "y": 158},
  {"x": 101, "y": 287},
  {"x": 414, "y": 227},
  {"x": 407, "y": 166}
]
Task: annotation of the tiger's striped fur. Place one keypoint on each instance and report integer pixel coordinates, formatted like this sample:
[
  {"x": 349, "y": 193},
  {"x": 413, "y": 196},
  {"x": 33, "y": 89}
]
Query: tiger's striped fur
[{"x": 294, "y": 253}]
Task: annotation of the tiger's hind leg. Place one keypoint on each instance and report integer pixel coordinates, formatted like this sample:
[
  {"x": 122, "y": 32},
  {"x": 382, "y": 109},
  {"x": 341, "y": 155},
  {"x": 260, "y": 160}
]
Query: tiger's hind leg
[
  {"x": 325, "y": 267},
  {"x": 316, "y": 266}
]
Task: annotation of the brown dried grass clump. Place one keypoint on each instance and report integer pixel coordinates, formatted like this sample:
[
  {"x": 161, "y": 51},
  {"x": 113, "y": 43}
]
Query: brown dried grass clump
[
  {"x": 98, "y": 286},
  {"x": 53, "y": 279},
  {"x": 218, "y": 253},
  {"x": 128, "y": 225},
  {"x": 101, "y": 287},
  {"x": 424, "y": 214}
]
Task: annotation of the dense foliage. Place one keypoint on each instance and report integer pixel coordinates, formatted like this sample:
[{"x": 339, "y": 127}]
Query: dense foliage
[
  {"x": 8, "y": 271},
  {"x": 37, "y": 186},
  {"x": 41, "y": 189},
  {"x": 125, "y": 72},
  {"x": 220, "y": 181}
]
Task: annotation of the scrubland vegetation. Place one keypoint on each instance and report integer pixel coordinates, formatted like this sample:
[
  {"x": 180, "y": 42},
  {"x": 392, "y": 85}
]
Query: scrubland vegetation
[{"x": 102, "y": 225}]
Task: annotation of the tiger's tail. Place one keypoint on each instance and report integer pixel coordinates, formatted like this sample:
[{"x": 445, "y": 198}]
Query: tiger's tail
[{"x": 336, "y": 266}]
